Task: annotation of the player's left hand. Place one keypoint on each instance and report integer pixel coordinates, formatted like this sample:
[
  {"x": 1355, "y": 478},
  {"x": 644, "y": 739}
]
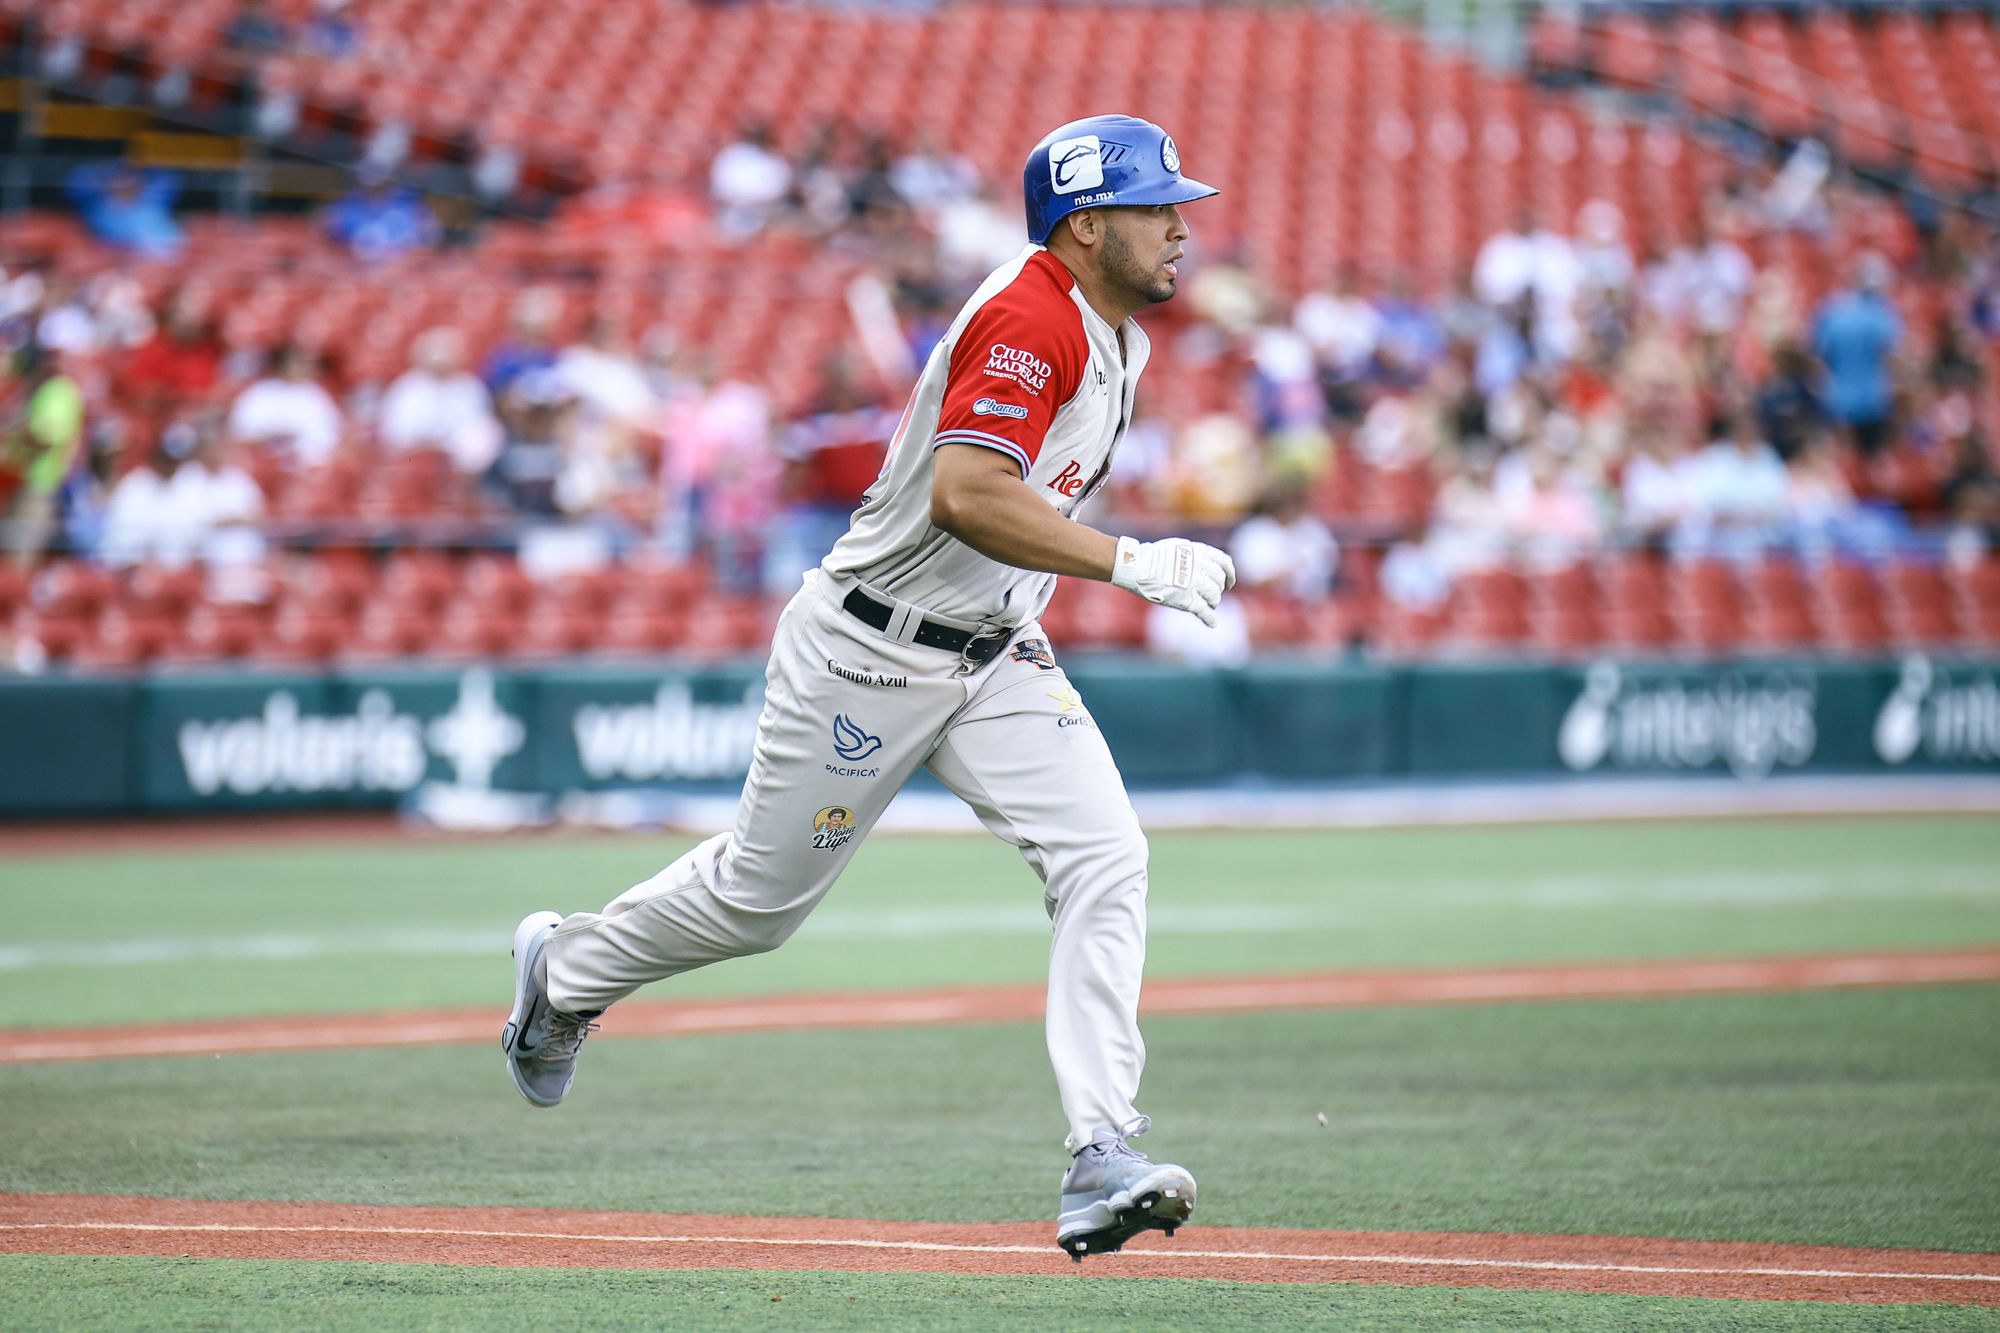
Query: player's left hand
[{"x": 1187, "y": 575}]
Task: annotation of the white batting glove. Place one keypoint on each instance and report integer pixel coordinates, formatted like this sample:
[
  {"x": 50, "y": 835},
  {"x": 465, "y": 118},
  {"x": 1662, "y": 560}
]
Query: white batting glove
[{"x": 1186, "y": 575}]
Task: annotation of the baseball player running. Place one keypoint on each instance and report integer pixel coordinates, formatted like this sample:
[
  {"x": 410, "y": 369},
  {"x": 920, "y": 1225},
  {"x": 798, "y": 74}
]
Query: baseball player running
[{"x": 917, "y": 642}]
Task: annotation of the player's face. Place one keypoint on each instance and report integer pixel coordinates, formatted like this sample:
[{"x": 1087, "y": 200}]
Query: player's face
[{"x": 1142, "y": 247}]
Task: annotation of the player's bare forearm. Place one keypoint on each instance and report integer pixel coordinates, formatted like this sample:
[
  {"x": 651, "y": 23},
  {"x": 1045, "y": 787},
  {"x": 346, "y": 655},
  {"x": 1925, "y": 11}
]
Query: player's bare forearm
[{"x": 978, "y": 496}]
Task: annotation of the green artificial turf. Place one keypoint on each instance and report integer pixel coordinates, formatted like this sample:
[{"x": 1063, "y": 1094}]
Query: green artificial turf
[
  {"x": 384, "y": 925},
  {"x": 1854, "y": 1118},
  {"x": 41, "y": 1292}
]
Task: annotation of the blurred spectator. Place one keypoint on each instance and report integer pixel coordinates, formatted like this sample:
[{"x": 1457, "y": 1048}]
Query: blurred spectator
[
  {"x": 190, "y": 503},
  {"x": 975, "y": 236},
  {"x": 437, "y": 404},
  {"x": 67, "y": 323},
  {"x": 873, "y": 200},
  {"x": 818, "y": 199},
  {"x": 1214, "y": 471},
  {"x": 1819, "y": 501},
  {"x": 289, "y": 411},
  {"x": 174, "y": 372},
  {"x": 528, "y": 345},
  {"x": 612, "y": 448},
  {"x": 38, "y": 448},
  {"x": 256, "y": 31},
  {"x": 128, "y": 208},
  {"x": 931, "y": 177},
  {"x": 1972, "y": 489},
  {"x": 1788, "y": 407},
  {"x": 1416, "y": 575},
  {"x": 379, "y": 219},
  {"x": 1738, "y": 493},
  {"x": 832, "y": 453},
  {"x": 496, "y": 173},
  {"x": 1702, "y": 285},
  {"x": 1856, "y": 333},
  {"x": 1409, "y": 340},
  {"x": 717, "y": 471},
  {"x": 1548, "y": 505},
  {"x": 538, "y": 411},
  {"x": 1283, "y": 548},
  {"x": 1654, "y": 495},
  {"x": 1342, "y": 328},
  {"x": 1603, "y": 258},
  {"x": 610, "y": 381},
  {"x": 332, "y": 32},
  {"x": 748, "y": 181},
  {"x": 1533, "y": 269},
  {"x": 658, "y": 348},
  {"x": 1289, "y": 395},
  {"x": 1179, "y": 637}
]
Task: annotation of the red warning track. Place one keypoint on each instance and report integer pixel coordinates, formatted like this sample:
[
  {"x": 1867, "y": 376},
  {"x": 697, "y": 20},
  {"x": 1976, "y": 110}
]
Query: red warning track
[
  {"x": 543, "y": 1238},
  {"x": 995, "y": 1004}
]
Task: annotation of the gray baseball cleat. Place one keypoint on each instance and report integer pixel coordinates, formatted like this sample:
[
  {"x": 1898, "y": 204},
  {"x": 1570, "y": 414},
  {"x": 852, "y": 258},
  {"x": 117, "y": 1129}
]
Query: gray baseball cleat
[
  {"x": 540, "y": 1040},
  {"x": 1112, "y": 1193}
]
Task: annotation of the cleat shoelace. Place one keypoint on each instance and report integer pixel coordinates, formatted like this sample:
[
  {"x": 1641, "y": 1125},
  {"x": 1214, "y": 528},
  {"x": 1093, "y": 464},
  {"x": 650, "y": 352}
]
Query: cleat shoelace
[
  {"x": 1116, "y": 1150},
  {"x": 566, "y": 1033}
]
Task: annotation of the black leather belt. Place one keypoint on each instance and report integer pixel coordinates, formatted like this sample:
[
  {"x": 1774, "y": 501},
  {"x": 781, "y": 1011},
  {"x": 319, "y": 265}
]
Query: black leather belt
[{"x": 975, "y": 648}]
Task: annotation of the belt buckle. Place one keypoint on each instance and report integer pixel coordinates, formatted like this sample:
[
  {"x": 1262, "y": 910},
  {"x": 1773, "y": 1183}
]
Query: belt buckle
[{"x": 973, "y": 658}]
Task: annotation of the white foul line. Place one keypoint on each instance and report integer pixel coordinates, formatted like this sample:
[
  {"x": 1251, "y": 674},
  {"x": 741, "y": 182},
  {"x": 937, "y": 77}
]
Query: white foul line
[{"x": 1405, "y": 1260}]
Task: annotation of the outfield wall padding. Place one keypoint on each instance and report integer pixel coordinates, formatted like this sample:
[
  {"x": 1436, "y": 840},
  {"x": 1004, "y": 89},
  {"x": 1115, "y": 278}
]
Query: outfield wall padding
[{"x": 245, "y": 740}]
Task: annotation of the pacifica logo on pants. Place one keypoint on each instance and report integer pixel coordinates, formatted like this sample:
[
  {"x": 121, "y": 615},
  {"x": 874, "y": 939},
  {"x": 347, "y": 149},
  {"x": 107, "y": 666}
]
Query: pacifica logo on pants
[{"x": 851, "y": 743}]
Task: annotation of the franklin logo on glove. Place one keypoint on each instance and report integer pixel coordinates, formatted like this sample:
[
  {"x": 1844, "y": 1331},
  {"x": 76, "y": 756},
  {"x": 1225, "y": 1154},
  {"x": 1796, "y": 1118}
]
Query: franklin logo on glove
[{"x": 1186, "y": 575}]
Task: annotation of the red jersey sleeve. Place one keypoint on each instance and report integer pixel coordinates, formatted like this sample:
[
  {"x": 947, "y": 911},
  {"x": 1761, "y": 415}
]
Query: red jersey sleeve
[{"x": 1019, "y": 359}]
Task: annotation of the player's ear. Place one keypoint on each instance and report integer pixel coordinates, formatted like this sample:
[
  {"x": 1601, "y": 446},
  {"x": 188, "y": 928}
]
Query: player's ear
[{"x": 1086, "y": 225}]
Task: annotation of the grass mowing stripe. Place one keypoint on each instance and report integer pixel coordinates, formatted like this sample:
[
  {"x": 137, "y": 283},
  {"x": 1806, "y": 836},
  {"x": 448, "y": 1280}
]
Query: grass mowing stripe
[
  {"x": 657, "y": 1017},
  {"x": 1857, "y": 1118},
  {"x": 916, "y": 912},
  {"x": 51, "y": 1292},
  {"x": 1556, "y": 893},
  {"x": 1177, "y": 1253}
]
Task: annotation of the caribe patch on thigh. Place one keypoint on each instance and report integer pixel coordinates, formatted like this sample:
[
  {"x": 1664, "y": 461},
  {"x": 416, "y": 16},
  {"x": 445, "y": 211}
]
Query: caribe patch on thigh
[{"x": 1036, "y": 653}]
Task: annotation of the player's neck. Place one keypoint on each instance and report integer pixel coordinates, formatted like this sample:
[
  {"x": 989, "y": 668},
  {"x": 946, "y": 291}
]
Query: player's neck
[{"x": 1113, "y": 309}]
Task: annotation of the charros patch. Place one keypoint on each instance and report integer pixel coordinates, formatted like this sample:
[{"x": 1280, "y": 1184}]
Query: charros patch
[{"x": 987, "y": 407}]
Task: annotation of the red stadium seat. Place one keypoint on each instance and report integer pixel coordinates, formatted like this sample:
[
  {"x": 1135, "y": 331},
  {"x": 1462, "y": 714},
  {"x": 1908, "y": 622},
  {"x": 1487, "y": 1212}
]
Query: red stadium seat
[
  {"x": 1632, "y": 602},
  {"x": 214, "y": 632},
  {"x": 1917, "y": 606},
  {"x": 1705, "y": 607},
  {"x": 386, "y": 633},
  {"x": 1777, "y": 608},
  {"x": 1975, "y": 591},
  {"x": 1847, "y": 601},
  {"x": 300, "y": 635},
  {"x": 1489, "y": 612}
]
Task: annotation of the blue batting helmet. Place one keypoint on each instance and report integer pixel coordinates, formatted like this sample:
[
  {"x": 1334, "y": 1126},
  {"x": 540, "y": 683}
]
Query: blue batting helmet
[{"x": 1103, "y": 162}]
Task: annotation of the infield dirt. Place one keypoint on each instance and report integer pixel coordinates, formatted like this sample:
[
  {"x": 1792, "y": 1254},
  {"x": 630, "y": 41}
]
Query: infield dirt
[{"x": 543, "y": 1238}]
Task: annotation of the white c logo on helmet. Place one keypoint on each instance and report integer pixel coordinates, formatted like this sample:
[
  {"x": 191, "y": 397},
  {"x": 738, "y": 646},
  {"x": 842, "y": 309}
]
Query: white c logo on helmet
[{"x": 1076, "y": 164}]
